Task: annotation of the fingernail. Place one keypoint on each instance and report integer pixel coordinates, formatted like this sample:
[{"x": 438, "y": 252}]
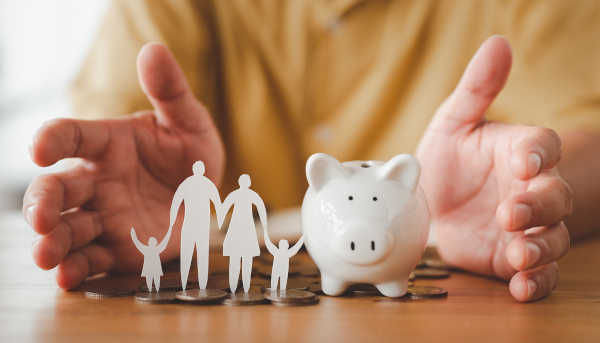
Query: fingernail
[
  {"x": 532, "y": 254},
  {"x": 521, "y": 216},
  {"x": 531, "y": 288},
  {"x": 29, "y": 216},
  {"x": 535, "y": 163},
  {"x": 36, "y": 238},
  {"x": 31, "y": 144}
]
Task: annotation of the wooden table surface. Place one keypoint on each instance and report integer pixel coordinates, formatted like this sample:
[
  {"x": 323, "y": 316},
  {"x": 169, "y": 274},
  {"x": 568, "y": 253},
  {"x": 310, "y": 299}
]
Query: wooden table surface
[{"x": 477, "y": 309}]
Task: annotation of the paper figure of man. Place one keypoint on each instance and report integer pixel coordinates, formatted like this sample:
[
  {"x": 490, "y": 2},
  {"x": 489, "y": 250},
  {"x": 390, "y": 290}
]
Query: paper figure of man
[
  {"x": 152, "y": 269},
  {"x": 241, "y": 243},
  {"x": 281, "y": 260},
  {"x": 197, "y": 191}
]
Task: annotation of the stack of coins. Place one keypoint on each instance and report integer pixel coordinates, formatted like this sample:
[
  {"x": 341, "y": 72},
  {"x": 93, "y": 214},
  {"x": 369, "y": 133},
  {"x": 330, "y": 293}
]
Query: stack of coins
[
  {"x": 291, "y": 285},
  {"x": 155, "y": 297},
  {"x": 201, "y": 295},
  {"x": 292, "y": 298},
  {"x": 109, "y": 292},
  {"x": 243, "y": 299}
]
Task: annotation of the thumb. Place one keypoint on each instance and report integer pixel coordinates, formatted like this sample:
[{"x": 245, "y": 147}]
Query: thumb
[
  {"x": 165, "y": 85},
  {"x": 481, "y": 82}
]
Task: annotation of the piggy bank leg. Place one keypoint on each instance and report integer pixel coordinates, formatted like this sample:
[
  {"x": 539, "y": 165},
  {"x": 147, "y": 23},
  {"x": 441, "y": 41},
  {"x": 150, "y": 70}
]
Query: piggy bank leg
[
  {"x": 393, "y": 289},
  {"x": 333, "y": 287}
]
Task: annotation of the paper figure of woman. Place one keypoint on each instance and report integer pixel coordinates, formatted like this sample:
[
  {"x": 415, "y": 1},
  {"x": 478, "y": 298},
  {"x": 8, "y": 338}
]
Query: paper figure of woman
[
  {"x": 241, "y": 243},
  {"x": 152, "y": 269}
]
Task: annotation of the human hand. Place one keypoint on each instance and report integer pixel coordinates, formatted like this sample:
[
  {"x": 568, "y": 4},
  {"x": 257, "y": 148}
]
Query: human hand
[
  {"x": 496, "y": 197},
  {"x": 126, "y": 174}
]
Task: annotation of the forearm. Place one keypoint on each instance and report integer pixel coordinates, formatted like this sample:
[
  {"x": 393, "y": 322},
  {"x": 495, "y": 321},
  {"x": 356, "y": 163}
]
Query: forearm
[{"x": 580, "y": 168}]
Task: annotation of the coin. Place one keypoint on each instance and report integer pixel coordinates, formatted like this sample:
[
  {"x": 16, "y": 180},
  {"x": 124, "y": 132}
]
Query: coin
[
  {"x": 315, "y": 288},
  {"x": 109, "y": 292},
  {"x": 165, "y": 285},
  {"x": 363, "y": 289},
  {"x": 426, "y": 292},
  {"x": 289, "y": 296},
  {"x": 155, "y": 297},
  {"x": 430, "y": 273},
  {"x": 297, "y": 303},
  {"x": 292, "y": 285},
  {"x": 243, "y": 299},
  {"x": 201, "y": 295}
]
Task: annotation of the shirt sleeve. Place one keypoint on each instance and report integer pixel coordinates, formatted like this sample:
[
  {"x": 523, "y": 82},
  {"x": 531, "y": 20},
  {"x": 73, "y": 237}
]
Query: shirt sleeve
[
  {"x": 107, "y": 85},
  {"x": 555, "y": 76}
]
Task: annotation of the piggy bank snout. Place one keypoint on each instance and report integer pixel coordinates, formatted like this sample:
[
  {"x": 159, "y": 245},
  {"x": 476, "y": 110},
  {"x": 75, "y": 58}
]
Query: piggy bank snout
[{"x": 362, "y": 243}]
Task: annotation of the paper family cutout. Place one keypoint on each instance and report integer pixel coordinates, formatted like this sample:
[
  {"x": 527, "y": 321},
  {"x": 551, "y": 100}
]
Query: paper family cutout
[{"x": 241, "y": 242}]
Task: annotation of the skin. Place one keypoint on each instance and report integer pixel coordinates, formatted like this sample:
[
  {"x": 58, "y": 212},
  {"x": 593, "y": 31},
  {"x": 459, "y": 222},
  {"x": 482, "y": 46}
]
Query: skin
[{"x": 128, "y": 170}]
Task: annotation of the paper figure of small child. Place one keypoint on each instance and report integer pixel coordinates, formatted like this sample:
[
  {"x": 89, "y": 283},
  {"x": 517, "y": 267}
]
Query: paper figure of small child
[
  {"x": 281, "y": 260},
  {"x": 152, "y": 269}
]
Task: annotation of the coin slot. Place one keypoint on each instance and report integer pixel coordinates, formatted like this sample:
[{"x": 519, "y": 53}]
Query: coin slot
[
  {"x": 352, "y": 246},
  {"x": 350, "y": 197},
  {"x": 366, "y": 164},
  {"x": 374, "y": 198},
  {"x": 373, "y": 245}
]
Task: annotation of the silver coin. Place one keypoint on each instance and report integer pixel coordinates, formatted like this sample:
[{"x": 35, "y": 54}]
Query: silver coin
[
  {"x": 155, "y": 297},
  {"x": 297, "y": 303},
  {"x": 291, "y": 285},
  {"x": 430, "y": 273},
  {"x": 426, "y": 292},
  {"x": 168, "y": 285},
  {"x": 109, "y": 292},
  {"x": 243, "y": 299},
  {"x": 363, "y": 289},
  {"x": 289, "y": 296},
  {"x": 201, "y": 295}
]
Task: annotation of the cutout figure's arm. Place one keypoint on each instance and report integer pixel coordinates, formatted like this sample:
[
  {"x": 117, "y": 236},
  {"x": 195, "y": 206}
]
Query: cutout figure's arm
[
  {"x": 262, "y": 211},
  {"x": 141, "y": 247},
  {"x": 163, "y": 245},
  {"x": 177, "y": 200},
  {"x": 293, "y": 250},
  {"x": 225, "y": 208},
  {"x": 270, "y": 246},
  {"x": 216, "y": 199}
]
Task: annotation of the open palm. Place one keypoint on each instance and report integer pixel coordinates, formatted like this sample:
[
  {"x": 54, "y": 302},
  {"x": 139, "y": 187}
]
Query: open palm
[
  {"x": 496, "y": 197},
  {"x": 127, "y": 172}
]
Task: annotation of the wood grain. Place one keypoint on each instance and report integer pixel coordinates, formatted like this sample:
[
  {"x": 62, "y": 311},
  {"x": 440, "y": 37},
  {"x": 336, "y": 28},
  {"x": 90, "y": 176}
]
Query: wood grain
[{"x": 33, "y": 308}]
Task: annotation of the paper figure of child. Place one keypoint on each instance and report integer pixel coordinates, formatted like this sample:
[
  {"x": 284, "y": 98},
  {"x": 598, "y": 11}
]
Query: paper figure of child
[
  {"x": 241, "y": 243},
  {"x": 196, "y": 192},
  {"x": 281, "y": 260},
  {"x": 152, "y": 269}
]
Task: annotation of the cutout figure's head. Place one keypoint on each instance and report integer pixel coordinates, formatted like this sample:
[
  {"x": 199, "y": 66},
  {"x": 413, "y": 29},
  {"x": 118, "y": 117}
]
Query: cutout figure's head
[
  {"x": 198, "y": 168},
  {"x": 244, "y": 181},
  {"x": 283, "y": 244},
  {"x": 152, "y": 242}
]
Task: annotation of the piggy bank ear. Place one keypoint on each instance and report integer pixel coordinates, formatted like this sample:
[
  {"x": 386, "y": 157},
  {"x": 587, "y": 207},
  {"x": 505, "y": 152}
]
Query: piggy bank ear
[
  {"x": 404, "y": 168},
  {"x": 321, "y": 169}
]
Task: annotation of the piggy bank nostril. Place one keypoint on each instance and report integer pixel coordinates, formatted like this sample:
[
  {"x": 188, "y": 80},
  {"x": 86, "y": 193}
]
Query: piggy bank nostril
[
  {"x": 373, "y": 245},
  {"x": 352, "y": 246}
]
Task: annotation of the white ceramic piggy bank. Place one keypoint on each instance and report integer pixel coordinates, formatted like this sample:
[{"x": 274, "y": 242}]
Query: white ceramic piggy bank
[{"x": 365, "y": 222}]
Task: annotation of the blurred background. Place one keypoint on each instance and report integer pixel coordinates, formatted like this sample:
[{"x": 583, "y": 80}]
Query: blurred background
[{"x": 42, "y": 46}]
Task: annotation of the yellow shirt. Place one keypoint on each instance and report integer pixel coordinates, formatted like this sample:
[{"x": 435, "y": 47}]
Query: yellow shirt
[{"x": 355, "y": 79}]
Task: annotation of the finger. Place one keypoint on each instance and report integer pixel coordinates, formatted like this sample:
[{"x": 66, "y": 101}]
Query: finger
[
  {"x": 538, "y": 247},
  {"x": 546, "y": 202},
  {"x": 49, "y": 195},
  {"x": 539, "y": 149},
  {"x": 79, "y": 264},
  {"x": 74, "y": 230},
  {"x": 483, "y": 79},
  {"x": 534, "y": 284},
  {"x": 166, "y": 87},
  {"x": 62, "y": 138}
]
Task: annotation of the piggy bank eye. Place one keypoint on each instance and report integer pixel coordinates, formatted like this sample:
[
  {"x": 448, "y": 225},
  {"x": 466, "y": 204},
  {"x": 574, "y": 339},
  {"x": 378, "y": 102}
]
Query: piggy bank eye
[
  {"x": 374, "y": 198},
  {"x": 350, "y": 197}
]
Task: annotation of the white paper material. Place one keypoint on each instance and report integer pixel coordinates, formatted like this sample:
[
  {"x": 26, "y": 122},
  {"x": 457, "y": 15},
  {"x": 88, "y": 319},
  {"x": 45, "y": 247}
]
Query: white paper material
[
  {"x": 152, "y": 269},
  {"x": 281, "y": 260},
  {"x": 241, "y": 242},
  {"x": 196, "y": 192}
]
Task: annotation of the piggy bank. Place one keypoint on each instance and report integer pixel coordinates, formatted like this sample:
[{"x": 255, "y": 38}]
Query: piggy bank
[{"x": 365, "y": 222}]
